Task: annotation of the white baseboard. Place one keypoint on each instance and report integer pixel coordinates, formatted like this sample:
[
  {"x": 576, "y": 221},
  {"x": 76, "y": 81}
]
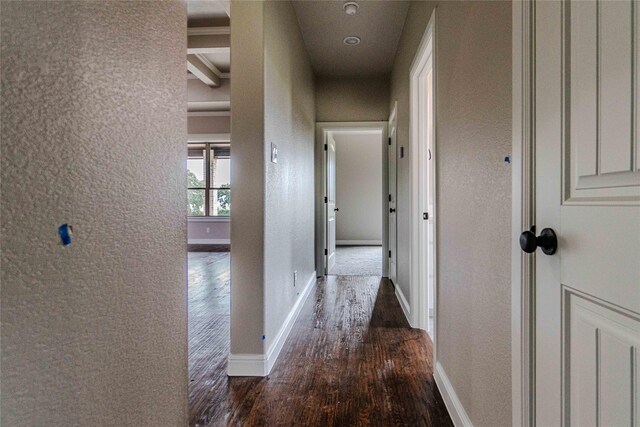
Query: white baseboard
[
  {"x": 454, "y": 406},
  {"x": 404, "y": 304},
  {"x": 209, "y": 241},
  {"x": 259, "y": 365},
  {"x": 247, "y": 365},
  {"x": 358, "y": 242},
  {"x": 287, "y": 325}
]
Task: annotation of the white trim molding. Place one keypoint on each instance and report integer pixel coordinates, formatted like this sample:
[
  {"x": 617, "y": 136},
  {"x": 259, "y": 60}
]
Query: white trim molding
[
  {"x": 208, "y": 218},
  {"x": 523, "y": 216},
  {"x": 208, "y": 31},
  {"x": 208, "y": 113},
  {"x": 209, "y": 137},
  {"x": 259, "y": 365},
  {"x": 404, "y": 304},
  {"x": 358, "y": 242},
  {"x": 425, "y": 57},
  {"x": 209, "y": 241},
  {"x": 322, "y": 130},
  {"x": 285, "y": 329},
  {"x": 452, "y": 402},
  {"x": 247, "y": 365},
  {"x": 223, "y": 105}
]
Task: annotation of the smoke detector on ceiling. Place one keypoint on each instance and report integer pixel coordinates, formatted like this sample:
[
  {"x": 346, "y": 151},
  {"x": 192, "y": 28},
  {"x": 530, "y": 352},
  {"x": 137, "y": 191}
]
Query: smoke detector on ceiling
[
  {"x": 350, "y": 7},
  {"x": 351, "y": 40}
]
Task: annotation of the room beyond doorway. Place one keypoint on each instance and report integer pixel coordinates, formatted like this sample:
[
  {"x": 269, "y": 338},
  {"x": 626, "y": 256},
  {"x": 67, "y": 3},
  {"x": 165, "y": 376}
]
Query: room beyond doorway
[
  {"x": 357, "y": 261},
  {"x": 354, "y": 185}
]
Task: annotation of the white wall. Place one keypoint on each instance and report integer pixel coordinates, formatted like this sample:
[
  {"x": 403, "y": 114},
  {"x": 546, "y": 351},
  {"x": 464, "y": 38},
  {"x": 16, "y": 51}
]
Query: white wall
[
  {"x": 358, "y": 187},
  {"x": 473, "y": 127},
  {"x": 93, "y": 134}
]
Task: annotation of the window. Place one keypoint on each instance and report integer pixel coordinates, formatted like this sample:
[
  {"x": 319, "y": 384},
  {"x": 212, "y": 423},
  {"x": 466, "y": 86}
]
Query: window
[{"x": 209, "y": 188}]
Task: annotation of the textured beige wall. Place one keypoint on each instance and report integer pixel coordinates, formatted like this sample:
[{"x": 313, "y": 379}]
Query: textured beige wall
[
  {"x": 358, "y": 186},
  {"x": 247, "y": 178},
  {"x": 352, "y": 100},
  {"x": 93, "y": 134},
  {"x": 474, "y": 195},
  {"x": 273, "y": 203},
  {"x": 289, "y": 123}
]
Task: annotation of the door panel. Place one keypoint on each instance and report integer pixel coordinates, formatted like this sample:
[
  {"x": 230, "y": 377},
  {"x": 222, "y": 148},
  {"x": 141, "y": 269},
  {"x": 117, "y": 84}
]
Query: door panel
[
  {"x": 587, "y": 295},
  {"x": 392, "y": 156},
  {"x": 600, "y": 165},
  {"x": 603, "y": 355},
  {"x": 331, "y": 203}
]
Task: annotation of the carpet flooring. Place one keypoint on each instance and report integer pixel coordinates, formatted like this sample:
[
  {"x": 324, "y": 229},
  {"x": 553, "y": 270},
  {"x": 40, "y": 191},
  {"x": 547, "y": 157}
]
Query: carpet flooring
[{"x": 358, "y": 261}]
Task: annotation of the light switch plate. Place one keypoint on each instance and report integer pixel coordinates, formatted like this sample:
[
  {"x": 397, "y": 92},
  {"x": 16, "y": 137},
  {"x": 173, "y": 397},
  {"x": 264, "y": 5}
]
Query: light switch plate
[{"x": 274, "y": 153}]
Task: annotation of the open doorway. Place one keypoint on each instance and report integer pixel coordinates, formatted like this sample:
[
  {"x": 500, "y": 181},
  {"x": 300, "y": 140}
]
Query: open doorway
[
  {"x": 358, "y": 217},
  {"x": 209, "y": 195},
  {"x": 354, "y": 207}
]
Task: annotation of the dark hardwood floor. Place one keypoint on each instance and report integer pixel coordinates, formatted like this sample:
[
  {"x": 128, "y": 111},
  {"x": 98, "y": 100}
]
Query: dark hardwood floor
[
  {"x": 351, "y": 359},
  {"x": 208, "y": 247}
]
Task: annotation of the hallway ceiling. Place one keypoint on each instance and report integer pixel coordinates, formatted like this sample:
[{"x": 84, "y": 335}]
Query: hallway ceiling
[
  {"x": 203, "y": 9},
  {"x": 324, "y": 25}
]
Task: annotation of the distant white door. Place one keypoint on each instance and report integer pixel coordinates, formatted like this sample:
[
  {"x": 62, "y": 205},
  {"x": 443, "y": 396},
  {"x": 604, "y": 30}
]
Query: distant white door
[
  {"x": 587, "y": 190},
  {"x": 393, "y": 227},
  {"x": 426, "y": 171},
  {"x": 331, "y": 202}
]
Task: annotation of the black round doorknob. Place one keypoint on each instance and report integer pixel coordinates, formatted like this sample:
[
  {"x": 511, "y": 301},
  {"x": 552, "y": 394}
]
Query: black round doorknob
[
  {"x": 547, "y": 241},
  {"x": 391, "y": 210},
  {"x": 336, "y": 209}
]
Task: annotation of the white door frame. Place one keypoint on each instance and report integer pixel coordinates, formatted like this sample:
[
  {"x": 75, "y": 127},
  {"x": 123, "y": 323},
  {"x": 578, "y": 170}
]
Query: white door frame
[
  {"x": 418, "y": 310},
  {"x": 393, "y": 124},
  {"x": 322, "y": 128},
  {"x": 523, "y": 216}
]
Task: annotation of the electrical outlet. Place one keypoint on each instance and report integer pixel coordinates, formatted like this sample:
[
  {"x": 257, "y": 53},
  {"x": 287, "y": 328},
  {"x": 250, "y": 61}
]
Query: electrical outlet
[
  {"x": 208, "y": 229},
  {"x": 274, "y": 153},
  {"x": 295, "y": 277}
]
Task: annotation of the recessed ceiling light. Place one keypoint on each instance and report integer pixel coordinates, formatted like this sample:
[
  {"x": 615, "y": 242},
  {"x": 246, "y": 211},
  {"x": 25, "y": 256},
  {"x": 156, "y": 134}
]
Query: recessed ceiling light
[
  {"x": 350, "y": 7},
  {"x": 351, "y": 40}
]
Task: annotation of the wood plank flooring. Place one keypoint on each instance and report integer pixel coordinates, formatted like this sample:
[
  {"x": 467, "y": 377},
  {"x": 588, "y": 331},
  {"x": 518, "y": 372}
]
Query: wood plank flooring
[{"x": 351, "y": 359}]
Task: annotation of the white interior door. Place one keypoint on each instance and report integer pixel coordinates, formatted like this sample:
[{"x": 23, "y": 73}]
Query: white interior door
[
  {"x": 587, "y": 294},
  {"x": 426, "y": 170},
  {"x": 331, "y": 202},
  {"x": 423, "y": 208},
  {"x": 393, "y": 227}
]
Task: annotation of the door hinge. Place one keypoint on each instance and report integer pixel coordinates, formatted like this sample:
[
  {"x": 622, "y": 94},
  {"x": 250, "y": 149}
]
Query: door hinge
[
  {"x": 326, "y": 252},
  {"x": 425, "y": 215},
  {"x": 326, "y": 147},
  {"x": 325, "y": 199},
  {"x": 389, "y": 254},
  {"x": 389, "y": 197},
  {"x": 389, "y": 140}
]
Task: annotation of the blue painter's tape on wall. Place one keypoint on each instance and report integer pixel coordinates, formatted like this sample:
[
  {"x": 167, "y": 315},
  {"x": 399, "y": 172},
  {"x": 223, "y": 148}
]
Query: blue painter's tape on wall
[{"x": 65, "y": 231}]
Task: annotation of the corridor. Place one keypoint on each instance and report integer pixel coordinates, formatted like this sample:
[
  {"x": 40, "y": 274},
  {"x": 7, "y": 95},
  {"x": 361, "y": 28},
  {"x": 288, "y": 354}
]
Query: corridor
[{"x": 351, "y": 359}]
